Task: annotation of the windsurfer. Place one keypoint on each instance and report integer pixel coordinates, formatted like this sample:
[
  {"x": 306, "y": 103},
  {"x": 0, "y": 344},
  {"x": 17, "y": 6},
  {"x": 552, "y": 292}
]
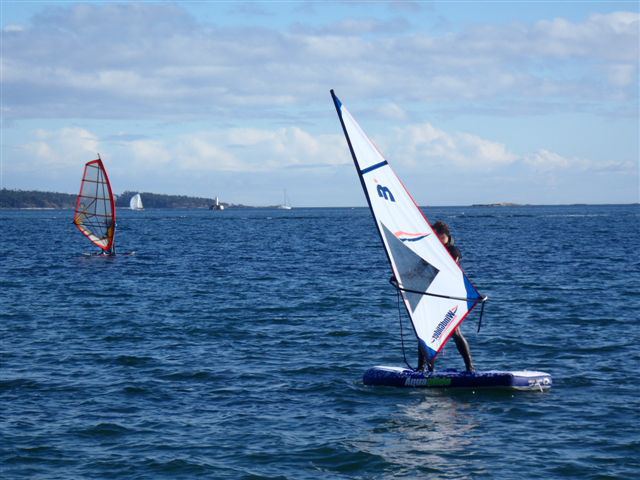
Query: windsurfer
[{"x": 441, "y": 229}]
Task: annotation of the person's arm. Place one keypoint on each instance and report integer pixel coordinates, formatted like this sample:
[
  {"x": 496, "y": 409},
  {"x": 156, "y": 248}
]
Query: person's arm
[{"x": 455, "y": 253}]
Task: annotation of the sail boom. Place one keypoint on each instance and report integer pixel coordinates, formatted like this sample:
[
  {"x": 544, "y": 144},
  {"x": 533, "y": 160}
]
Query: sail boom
[
  {"x": 472, "y": 299},
  {"x": 95, "y": 198}
]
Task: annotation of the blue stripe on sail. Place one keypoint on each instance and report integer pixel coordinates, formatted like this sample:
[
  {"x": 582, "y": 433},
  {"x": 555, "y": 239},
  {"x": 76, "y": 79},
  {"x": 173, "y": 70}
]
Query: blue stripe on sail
[
  {"x": 373, "y": 167},
  {"x": 431, "y": 353},
  {"x": 472, "y": 294}
]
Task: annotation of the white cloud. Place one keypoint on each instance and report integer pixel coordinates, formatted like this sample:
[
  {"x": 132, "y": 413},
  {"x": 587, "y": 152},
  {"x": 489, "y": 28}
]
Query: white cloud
[
  {"x": 199, "y": 153},
  {"x": 622, "y": 75},
  {"x": 12, "y": 28},
  {"x": 415, "y": 146},
  {"x": 351, "y": 27},
  {"x": 423, "y": 147},
  {"x": 592, "y": 38},
  {"x": 189, "y": 86},
  {"x": 546, "y": 161},
  {"x": 425, "y": 144},
  {"x": 62, "y": 148},
  {"x": 148, "y": 153},
  {"x": 205, "y": 160},
  {"x": 392, "y": 111},
  {"x": 227, "y": 150},
  {"x": 256, "y": 150},
  {"x": 154, "y": 60}
]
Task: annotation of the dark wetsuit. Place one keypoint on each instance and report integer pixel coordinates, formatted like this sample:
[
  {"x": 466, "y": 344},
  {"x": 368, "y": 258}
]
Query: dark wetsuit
[{"x": 461, "y": 343}]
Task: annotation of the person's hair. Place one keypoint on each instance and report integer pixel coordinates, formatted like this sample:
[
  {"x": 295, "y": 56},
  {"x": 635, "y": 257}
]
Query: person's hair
[{"x": 442, "y": 228}]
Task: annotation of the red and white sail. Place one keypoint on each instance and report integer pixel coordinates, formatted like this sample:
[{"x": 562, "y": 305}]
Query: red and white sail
[{"x": 95, "y": 214}]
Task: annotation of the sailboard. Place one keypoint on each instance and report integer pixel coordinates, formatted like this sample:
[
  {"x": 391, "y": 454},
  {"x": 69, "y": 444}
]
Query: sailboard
[
  {"x": 436, "y": 292},
  {"x": 451, "y": 378},
  {"x": 136, "y": 202},
  {"x": 95, "y": 213}
]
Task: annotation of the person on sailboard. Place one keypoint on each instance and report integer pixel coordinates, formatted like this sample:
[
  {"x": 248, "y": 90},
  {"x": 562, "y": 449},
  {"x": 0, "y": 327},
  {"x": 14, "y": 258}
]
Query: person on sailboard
[{"x": 441, "y": 229}]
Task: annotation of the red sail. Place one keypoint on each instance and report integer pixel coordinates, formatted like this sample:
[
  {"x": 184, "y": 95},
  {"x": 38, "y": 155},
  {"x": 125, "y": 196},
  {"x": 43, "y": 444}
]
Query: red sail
[{"x": 95, "y": 214}]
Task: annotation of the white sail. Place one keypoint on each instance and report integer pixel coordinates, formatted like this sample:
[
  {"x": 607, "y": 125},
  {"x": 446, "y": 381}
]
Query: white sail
[
  {"x": 285, "y": 205},
  {"x": 436, "y": 292},
  {"x": 136, "y": 202}
]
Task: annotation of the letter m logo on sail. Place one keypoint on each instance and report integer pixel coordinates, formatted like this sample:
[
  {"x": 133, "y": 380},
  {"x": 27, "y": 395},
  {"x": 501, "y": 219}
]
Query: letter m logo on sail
[{"x": 385, "y": 193}]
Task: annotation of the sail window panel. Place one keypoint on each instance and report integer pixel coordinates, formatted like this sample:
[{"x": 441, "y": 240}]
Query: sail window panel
[{"x": 95, "y": 215}]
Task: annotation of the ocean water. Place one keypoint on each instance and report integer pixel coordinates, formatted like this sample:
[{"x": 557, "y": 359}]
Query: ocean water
[{"x": 232, "y": 345}]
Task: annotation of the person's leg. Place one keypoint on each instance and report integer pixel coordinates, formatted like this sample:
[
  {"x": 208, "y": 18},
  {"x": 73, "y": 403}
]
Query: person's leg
[
  {"x": 463, "y": 348},
  {"x": 422, "y": 358},
  {"x": 423, "y": 363}
]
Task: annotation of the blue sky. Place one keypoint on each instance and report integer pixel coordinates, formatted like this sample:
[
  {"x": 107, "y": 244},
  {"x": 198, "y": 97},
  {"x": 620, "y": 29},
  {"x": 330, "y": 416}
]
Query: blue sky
[{"x": 471, "y": 102}]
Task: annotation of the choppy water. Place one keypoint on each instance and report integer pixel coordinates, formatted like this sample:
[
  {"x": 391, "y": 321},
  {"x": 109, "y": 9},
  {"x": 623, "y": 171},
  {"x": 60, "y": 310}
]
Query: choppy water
[{"x": 232, "y": 345}]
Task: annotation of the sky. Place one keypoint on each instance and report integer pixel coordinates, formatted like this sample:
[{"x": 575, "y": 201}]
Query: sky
[{"x": 470, "y": 102}]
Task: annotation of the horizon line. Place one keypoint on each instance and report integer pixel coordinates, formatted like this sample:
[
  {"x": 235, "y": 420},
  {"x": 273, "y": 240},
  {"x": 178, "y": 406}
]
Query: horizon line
[{"x": 480, "y": 204}]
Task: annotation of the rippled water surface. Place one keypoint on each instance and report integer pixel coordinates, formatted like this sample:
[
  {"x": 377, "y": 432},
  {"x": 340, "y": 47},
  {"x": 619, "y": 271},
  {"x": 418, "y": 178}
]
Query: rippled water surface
[{"x": 232, "y": 345}]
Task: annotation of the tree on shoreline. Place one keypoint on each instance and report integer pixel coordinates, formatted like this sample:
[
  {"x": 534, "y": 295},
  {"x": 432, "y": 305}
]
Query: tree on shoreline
[{"x": 38, "y": 199}]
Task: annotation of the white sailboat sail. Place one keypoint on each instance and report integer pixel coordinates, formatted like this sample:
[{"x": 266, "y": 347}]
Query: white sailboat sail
[
  {"x": 285, "y": 205},
  {"x": 136, "y": 202},
  {"x": 436, "y": 292}
]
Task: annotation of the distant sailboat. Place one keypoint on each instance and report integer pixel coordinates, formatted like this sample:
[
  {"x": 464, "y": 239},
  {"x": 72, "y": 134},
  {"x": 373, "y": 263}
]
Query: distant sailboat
[
  {"x": 285, "y": 205},
  {"x": 95, "y": 213},
  {"x": 136, "y": 202},
  {"x": 217, "y": 205}
]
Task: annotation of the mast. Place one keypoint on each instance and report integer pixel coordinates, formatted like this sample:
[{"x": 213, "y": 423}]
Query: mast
[{"x": 338, "y": 104}]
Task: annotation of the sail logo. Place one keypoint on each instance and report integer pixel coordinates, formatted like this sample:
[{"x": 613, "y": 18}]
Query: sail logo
[
  {"x": 448, "y": 318},
  {"x": 427, "y": 382},
  {"x": 410, "y": 237},
  {"x": 385, "y": 193}
]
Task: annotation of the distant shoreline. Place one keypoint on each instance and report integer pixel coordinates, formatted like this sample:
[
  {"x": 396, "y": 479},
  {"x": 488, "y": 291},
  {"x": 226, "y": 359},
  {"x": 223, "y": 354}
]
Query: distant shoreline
[
  {"x": 41, "y": 200},
  {"x": 276, "y": 207}
]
